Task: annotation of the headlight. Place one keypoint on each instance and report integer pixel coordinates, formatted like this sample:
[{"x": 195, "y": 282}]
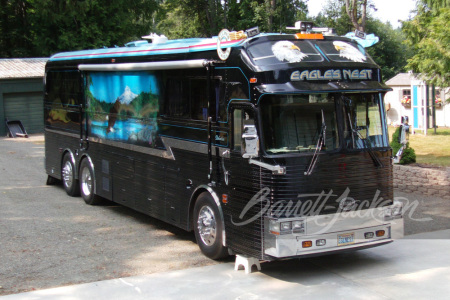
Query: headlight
[
  {"x": 286, "y": 226},
  {"x": 393, "y": 212},
  {"x": 274, "y": 227},
  {"x": 298, "y": 226}
]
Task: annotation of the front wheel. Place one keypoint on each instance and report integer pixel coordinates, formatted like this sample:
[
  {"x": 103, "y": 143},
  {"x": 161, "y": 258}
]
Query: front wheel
[
  {"x": 208, "y": 227},
  {"x": 87, "y": 183}
]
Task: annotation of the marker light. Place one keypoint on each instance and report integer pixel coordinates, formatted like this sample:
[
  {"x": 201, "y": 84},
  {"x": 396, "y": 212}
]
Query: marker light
[
  {"x": 309, "y": 36},
  {"x": 224, "y": 198},
  {"x": 380, "y": 233},
  {"x": 253, "y": 80},
  {"x": 306, "y": 244}
]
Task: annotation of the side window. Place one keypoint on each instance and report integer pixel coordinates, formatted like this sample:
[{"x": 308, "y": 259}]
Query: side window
[
  {"x": 241, "y": 118},
  {"x": 199, "y": 99},
  {"x": 237, "y": 130}
]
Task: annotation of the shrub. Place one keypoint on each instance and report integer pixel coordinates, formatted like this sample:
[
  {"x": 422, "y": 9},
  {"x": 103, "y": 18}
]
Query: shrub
[
  {"x": 395, "y": 145},
  {"x": 409, "y": 155}
]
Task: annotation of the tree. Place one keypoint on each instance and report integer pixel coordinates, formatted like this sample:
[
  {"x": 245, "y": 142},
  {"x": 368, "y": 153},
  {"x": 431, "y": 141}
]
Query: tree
[
  {"x": 15, "y": 29},
  {"x": 389, "y": 53},
  {"x": 357, "y": 16},
  {"x": 428, "y": 34}
]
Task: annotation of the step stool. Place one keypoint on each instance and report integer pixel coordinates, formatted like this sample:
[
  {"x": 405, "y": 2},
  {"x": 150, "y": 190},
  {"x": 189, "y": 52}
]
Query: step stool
[{"x": 247, "y": 263}]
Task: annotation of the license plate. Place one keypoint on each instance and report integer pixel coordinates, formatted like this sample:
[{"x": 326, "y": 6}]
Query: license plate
[{"x": 346, "y": 239}]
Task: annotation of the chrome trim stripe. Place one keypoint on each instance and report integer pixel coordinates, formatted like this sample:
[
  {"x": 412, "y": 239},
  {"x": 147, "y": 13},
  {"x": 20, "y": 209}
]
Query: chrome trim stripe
[
  {"x": 75, "y": 135},
  {"x": 151, "y": 151},
  {"x": 148, "y": 66},
  {"x": 192, "y": 146}
]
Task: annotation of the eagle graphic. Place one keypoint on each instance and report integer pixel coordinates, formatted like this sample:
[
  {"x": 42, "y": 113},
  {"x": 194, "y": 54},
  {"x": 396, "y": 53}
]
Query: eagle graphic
[
  {"x": 287, "y": 51},
  {"x": 348, "y": 51}
]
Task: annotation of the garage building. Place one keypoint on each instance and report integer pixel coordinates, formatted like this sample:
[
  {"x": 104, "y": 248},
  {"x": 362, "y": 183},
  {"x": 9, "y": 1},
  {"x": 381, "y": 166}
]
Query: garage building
[{"x": 21, "y": 93}]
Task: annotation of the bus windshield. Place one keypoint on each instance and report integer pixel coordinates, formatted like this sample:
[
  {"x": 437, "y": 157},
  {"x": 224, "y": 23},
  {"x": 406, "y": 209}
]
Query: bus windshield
[
  {"x": 294, "y": 123},
  {"x": 302, "y": 123},
  {"x": 364, "y": 125}
]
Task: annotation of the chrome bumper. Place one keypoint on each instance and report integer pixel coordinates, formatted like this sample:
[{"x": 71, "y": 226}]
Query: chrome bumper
[{"x": 330, "y": 228}]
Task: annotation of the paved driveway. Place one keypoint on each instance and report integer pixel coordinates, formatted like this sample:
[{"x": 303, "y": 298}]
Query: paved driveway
[{"x": 49, "y": 239}]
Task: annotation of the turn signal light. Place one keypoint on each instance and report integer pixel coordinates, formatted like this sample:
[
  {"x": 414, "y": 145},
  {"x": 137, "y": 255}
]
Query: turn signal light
[
  {"x": 224, "y": 198},
  {"x": 380, "y": 233},
  {"x": 253, "y": 80},
  {"x": 306, "y": 244}
]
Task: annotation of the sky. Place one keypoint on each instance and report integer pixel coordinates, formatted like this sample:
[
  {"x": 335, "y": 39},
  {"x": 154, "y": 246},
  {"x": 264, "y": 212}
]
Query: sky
[
  {"x": 116, "y": 84},
  {"x": 388, "y": 10}
]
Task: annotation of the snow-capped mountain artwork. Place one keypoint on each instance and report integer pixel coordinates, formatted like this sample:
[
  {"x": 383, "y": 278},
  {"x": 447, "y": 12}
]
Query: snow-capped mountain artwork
[{"x": 127, "y": 96}]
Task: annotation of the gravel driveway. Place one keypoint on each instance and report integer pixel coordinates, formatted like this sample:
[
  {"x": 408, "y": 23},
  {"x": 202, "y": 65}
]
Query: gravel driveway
[{"x": 49, "y": 239}]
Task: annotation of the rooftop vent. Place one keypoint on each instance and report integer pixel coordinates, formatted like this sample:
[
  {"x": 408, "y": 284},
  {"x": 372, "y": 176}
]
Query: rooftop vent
[{"x": 156, "y": 39}]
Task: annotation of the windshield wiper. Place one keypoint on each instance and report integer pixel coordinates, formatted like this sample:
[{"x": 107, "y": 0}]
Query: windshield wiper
[
  {"x": 367, "y": 144},
  {"x": 319, "y": 145}
]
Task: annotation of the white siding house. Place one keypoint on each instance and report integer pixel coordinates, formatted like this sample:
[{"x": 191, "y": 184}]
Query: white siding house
[{"x": 412, "y": 91}]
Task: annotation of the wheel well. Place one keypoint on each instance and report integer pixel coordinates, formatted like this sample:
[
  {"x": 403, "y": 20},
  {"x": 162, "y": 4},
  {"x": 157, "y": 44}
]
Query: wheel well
[
  {"x": 90, "y": 162},
  {"x": 72, "y": 158},
  {"x": 194, "y": 198}
]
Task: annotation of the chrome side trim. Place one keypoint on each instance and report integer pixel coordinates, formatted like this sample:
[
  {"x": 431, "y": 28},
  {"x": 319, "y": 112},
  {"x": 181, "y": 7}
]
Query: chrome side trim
[
  {"x": 151, "y": 151},
  {"x": 91, "y": 163},
  {"x": 216, "y": 199},
  {"x": 148, "y": 66},
  {"x": 276, "y": 170},
  {"x": 192, "y": 146},
  {"x": 75, "y": 135}
]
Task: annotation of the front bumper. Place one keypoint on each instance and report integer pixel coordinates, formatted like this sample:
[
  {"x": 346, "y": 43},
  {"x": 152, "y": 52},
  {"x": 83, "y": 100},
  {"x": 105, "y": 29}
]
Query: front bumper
[{"x": 335, "y": 232}]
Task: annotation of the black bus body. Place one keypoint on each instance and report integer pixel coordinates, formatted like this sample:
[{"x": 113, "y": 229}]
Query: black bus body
[{"x": 273, "y": 146}]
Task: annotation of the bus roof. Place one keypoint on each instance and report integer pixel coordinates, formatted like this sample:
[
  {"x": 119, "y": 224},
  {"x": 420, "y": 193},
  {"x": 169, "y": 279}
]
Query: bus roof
[{"x": 143, "y": 48}]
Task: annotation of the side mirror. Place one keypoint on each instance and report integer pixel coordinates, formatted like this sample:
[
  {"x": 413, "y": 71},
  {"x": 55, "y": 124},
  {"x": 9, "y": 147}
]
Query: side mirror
[{"x": 250, "y": 142}]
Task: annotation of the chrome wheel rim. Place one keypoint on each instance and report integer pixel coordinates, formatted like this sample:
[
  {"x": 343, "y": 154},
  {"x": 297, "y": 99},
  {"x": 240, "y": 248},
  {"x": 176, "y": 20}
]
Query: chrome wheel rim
[
  {"x": 67, "y": 173},
  {"x": 86, "y": 182},
  {"x": 206, "y": 225}
]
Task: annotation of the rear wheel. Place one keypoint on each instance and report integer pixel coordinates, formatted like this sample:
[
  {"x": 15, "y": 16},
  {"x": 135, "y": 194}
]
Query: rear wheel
[
  {"x": 208, "y": 227},
  {"x": 87, "y": 183},
  {"x": 70, "y": 183}
]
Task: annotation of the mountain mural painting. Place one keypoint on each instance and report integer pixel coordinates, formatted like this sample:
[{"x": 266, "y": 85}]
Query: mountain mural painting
[{"x": 123, "y": 106}]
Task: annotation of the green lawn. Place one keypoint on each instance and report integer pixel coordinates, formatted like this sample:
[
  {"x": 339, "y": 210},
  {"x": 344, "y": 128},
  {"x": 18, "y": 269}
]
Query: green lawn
[{"x": 432, "y": 149}]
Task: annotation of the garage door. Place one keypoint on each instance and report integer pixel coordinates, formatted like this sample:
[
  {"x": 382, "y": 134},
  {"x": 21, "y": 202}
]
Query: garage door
[{"x": 26, "y": 107}]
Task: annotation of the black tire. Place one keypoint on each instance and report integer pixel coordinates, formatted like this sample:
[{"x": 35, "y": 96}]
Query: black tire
[
  {"x": 69, "y": 180},
  {"x": 52, "y": 180},
  {"x": 211, "y": 242},
  {"x": 87, "y": 183}
]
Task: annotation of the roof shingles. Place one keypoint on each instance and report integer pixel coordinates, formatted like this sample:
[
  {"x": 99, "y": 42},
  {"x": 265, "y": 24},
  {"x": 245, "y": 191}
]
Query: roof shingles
[{"x": 22, "y": 68}]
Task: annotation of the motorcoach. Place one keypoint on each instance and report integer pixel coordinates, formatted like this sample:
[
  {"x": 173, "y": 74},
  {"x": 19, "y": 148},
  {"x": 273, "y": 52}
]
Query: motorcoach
[{"x": 266, "y": 145}]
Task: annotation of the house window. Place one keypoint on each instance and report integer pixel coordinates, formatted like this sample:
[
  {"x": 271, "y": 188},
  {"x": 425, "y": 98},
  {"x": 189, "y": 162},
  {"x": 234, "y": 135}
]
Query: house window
[
  {"x": 406, "y": 97},
  {"x": 407, "y": 93}
]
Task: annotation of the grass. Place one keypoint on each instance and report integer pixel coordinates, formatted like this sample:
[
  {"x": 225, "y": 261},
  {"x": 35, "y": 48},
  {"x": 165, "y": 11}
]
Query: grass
[{"x": 432, "y": 149}]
